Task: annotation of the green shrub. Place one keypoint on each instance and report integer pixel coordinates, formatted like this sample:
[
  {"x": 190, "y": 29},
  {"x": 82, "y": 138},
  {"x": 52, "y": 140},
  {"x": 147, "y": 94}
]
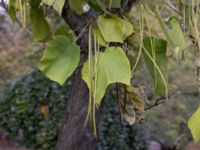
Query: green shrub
[
  {"x": 23, "y": 114},
  {"x": 32, "y": 109}
]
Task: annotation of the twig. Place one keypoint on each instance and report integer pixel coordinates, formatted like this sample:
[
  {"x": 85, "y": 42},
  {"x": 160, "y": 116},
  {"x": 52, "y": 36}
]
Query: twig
[
  {"x": 158, "y": 102},
  {"x": 169, "y": 3}
]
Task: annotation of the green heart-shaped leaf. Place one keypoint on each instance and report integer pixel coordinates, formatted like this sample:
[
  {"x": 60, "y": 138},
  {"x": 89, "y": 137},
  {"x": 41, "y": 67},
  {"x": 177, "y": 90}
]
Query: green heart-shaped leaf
[
  {"x": 40, "y": 28},
  {"x": 154, "y": 56},
  {"x": 112, "y": 28},
  {"x": 113, "y": 66},
  {"x": 60, "y": 59}
]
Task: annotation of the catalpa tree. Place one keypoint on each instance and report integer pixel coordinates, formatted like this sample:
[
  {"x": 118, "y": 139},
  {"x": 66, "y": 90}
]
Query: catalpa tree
[{"x": 102, "y": 44}]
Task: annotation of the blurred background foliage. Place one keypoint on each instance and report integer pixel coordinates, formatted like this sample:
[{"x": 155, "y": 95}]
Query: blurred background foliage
[{"x": 32, "y": 110}]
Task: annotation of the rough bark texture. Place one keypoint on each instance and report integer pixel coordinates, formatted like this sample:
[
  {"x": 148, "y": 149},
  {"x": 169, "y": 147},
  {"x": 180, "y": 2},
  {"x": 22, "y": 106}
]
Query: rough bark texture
[{"x": 73, "y": 135}]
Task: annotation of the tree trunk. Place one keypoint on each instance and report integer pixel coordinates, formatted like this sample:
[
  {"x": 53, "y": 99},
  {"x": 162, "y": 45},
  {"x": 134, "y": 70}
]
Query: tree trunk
[{"x": 73, "y": 135}]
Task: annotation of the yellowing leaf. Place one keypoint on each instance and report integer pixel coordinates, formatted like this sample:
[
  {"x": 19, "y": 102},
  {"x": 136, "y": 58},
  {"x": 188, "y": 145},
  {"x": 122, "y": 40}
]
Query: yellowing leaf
[
  {"x": 60, "y": 59},
  {"x": 44, "y": 109},
  {"x": 112, "y": 28},
  {"x": 128, "y": 28},
  {"x": 131, "y": 106},
  {"x": 113, "y": 66},
  {"x": 99, "y": 36},
  {"x": 194, "y": 125}
]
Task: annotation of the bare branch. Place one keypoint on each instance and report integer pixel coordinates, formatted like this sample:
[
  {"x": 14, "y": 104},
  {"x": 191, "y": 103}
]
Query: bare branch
[
  {"x": 159, "y": 101},
  {"x": 169, "y": 3}
]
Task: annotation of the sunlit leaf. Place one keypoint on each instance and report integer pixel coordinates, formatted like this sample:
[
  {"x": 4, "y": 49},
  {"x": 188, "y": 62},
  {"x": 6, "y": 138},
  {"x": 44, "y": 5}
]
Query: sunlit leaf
[
  {"x": 97, "y": 33},
  {"x": 40, "y": 28},
  {"x": 128, "y": 27},
  {"x": 112, "y": 28},
  {"x": 154, "y": 56},
  {"x": 60, "y": 59},
  {"x": 194, "y": 125},
  {"x": 113, "y": 66}
]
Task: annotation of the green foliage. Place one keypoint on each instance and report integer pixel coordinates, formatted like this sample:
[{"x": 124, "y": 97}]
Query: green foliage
[
  {"x": 174, "y": 34},
  {"x": 112, "y": 66},
  {"x": 60, "y": 59},
  {"x": 113, "y": 28},
  {"x": 77, "y": 5},
  {"x": 40, "y": 28},
  {"x": 32, "y": 110},
  {"x": 103, "y": 5},
  {"x": 128, "y": 27},
  {"x": 194, "y": 123},
  {"x": 11, "y": 10},
  {"x": 154, "y": 55},
  {"x": 63, "y": 29},
  {"x": 99, "y": 37}
]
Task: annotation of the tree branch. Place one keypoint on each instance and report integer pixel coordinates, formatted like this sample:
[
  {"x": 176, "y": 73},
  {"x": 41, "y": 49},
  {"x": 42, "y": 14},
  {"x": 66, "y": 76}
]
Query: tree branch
[{"x": 3, "y": 4}]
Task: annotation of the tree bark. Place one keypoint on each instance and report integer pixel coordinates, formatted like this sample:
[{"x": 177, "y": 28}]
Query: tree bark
[{"x": 73, "y": 135}]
